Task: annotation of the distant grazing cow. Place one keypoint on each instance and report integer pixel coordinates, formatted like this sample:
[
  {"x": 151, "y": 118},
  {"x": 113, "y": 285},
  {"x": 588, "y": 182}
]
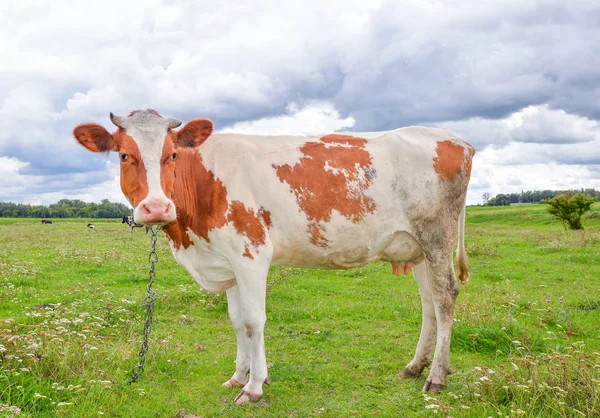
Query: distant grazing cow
[
  {"x": 129, "y": 221},
  {"x": 241, "y": 203},
  {"x": 91, "y": 226},
  {"x": 46, "y": 221}
]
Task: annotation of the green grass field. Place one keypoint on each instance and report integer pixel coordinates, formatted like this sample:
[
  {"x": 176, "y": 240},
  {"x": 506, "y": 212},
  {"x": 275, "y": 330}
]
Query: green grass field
[{"x": 526, "y": 338}]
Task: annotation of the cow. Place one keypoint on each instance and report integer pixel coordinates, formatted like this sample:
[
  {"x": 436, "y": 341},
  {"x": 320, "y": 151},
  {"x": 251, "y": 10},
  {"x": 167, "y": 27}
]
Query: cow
[
  {"x": 131, "y": 224},
  {"x": 91, "y": 226},
  {"x": 231, "y": 205},
  {"x": 46, "y": 221}
]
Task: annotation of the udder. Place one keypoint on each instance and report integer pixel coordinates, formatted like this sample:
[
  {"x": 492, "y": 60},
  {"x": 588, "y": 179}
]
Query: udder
[{"x": 404, "y": 252}]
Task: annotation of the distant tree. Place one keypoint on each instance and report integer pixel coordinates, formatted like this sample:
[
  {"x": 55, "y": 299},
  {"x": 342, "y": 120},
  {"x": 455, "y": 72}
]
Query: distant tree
[
  {"x": 500, "y": 200},
  {"x": 486, "y": 197},
  {"x": 569, "y": 208}
]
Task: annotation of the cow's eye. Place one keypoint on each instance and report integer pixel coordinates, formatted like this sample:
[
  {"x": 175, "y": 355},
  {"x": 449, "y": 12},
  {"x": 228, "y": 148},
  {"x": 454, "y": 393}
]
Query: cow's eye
[
  {"x": 174, "y": 156},
  {"x": 124, "y": 157}
]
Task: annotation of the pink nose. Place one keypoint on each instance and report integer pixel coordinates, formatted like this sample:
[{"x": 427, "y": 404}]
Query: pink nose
[{"x": 156, "y": 212}]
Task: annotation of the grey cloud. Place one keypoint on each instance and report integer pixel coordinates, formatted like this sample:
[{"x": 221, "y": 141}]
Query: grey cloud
[{"x": 472, "y": 62}]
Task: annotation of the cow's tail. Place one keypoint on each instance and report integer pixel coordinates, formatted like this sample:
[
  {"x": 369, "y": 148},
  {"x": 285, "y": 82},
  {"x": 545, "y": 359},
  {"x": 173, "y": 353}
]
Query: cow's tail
[{"x": 462, "y": 261}]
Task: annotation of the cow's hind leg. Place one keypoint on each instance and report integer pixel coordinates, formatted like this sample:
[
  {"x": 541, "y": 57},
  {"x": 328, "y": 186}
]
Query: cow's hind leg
[
  {"x": 242, "y": 360},
  {"x": 426, "y": 343},
  {"x": 444, "y": 291}
]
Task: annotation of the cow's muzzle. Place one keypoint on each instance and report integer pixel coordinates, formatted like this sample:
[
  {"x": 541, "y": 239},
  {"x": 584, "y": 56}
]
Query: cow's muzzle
[{"x": 155, "y": 212}]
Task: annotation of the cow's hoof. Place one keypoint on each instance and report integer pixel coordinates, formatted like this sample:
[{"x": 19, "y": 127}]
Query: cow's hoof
[
  {"x": 232, "y": 383},
  {"x": 408, "y": 373},
  {"x": 433, "y": 388},
  {"x": 245, "y": 397}
]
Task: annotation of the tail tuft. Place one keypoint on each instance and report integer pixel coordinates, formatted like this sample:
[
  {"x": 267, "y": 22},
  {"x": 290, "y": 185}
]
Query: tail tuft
[
  {"x": 463, "y": 267},
  {"x": 462, "y": 261}
]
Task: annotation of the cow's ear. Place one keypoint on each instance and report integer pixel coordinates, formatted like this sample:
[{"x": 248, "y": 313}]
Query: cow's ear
[
  {"x": 194, "y": 133},
  {"x": 95, "y": 138}
]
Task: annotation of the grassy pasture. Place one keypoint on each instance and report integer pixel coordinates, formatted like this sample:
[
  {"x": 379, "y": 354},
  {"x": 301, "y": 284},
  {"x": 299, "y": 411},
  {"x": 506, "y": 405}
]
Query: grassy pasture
[{"x": 526, "y": 338}]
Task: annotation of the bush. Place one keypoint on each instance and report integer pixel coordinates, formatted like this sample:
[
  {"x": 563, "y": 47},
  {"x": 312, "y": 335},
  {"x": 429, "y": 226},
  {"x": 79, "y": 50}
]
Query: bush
[{"x": 569, "y": 208}]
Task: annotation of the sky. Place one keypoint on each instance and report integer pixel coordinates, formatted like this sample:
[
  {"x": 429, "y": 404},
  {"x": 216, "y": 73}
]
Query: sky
[{"x": 519, "y": 80}]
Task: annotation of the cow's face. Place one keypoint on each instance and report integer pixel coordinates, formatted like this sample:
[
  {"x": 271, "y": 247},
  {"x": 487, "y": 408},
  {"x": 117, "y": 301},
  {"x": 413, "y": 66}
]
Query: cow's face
[{"x": 147, "y": 147}]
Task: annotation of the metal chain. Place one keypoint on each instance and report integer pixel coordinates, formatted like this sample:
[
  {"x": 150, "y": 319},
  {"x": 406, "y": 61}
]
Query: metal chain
[{"x": 149, "y": 304}]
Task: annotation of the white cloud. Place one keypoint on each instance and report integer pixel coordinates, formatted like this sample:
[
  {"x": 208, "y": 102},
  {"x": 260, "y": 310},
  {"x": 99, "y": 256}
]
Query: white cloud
[
  {"x": 535, "y": 148},
  {"x": 10, "y": 166},
  {"x": 538, "y": 124},
  {"x": 495, "y": 179},
  {"x": 315, "y": 118}
]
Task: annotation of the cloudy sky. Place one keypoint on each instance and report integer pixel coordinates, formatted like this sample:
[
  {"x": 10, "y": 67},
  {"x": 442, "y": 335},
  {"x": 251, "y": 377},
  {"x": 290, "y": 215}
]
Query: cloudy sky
[{"x": 519, "y": 80}]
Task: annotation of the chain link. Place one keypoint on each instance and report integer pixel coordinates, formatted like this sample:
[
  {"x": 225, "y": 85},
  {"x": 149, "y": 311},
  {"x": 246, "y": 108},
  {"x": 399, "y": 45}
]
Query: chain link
[{"x": 149, "y": 304}]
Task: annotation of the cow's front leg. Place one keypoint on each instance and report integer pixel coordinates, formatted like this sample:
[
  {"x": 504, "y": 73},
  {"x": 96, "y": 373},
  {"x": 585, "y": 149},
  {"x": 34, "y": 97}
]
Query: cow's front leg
[
  {"x": 242, "y": 360},
  {"x": 252, "y": 284}
]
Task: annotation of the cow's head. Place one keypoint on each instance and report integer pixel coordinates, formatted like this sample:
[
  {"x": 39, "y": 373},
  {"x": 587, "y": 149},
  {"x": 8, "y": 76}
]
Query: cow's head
[{"x": 147, "y": 147}]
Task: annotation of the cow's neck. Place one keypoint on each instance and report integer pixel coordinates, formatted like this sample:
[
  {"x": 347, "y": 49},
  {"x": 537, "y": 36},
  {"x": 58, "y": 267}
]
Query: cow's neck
[{"x": 199, "y": 197}]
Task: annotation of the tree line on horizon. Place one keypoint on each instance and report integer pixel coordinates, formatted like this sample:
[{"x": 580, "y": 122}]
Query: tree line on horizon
[
  {"x": 532, "y": 196},
  {"x": 65, "y": 208}
]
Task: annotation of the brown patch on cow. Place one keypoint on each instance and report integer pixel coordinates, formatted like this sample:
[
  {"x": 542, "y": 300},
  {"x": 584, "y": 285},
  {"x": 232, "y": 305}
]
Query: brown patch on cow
[
  {"x": 266, "y": 215},
  {"x": 316, "y": 235},
  {"x": 246, "y": 222},
  {"x": 247, "y": 254},
  {"x": 200, "y": 199},
  {"x": 134, "y": 180},
  {"x": 167, "y": 167},
  {"x": 177, "y": 234},
  {"x": 449, "y": 161},
  {"x": 330, "y": 176}
]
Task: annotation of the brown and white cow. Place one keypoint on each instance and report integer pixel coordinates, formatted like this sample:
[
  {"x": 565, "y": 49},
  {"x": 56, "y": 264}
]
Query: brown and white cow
[{"x": 232, "y": 205}]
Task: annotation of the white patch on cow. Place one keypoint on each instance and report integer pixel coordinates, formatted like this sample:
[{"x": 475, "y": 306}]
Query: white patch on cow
[
  {"x": 332, "y": 169},
  {"x": 212, "y": 271},
  {"x": 211, "y": 263}
]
